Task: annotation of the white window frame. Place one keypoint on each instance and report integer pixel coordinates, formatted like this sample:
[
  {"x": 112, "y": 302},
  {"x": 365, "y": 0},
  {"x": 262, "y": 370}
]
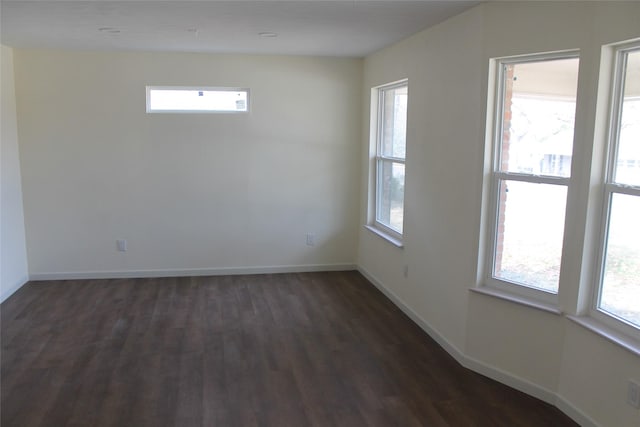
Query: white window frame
[
  {"x": 497, "y": 176},
  {"x": 377, "y": 104},
  {"x": 197, "y": 89},
  {"x": 610, "y": 187}
]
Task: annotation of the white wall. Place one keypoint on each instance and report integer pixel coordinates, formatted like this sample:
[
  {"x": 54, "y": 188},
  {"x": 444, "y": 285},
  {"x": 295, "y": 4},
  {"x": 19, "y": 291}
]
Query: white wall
[
  {"x": 13, "y": 254},
  {"x": 544, "y": 354},
  {"x": 444, "y": 72},
  {"x": 192, "y": 193}
]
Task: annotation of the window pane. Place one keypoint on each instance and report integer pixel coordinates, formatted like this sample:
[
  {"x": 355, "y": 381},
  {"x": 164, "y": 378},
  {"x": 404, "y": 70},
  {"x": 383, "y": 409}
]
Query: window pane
[
  {"x": 628, "y": 160},
  {"x": 194, "y": 99},
  {"x": 390, "y": 209},
  {"x": 529, "y": 234},
  {"x": 538, "y": 117},
  {"x": 620, "y": 293},
  {"x": 394, "y": 122}
]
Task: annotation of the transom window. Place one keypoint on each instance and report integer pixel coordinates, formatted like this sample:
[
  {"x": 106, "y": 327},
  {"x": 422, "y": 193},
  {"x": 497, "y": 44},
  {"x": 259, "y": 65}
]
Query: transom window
[{"x": 168, "y": 99}]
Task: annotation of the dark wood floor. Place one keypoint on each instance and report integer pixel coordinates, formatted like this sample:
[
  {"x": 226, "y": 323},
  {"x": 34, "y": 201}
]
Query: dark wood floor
[{"x": 313, "y": 349}]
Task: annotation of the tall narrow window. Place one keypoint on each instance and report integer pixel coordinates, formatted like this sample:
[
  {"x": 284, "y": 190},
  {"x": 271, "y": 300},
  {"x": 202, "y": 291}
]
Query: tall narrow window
[
  {"x": 618, "y": 290},
  {"x": 390, "y": 140},
  {"x": 533, "y": 145}
]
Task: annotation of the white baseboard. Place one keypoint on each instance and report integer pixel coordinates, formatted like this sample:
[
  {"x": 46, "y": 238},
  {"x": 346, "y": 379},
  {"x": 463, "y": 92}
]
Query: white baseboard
[
  {"x": 6, "y": 293},
  {"x": 482, "y": 368},
  {"x": 181, "y": 272},
  {"x": 511, "y": 380},
  {"x": 574, "y": 413},
  {"x": 442, "y": 341}
]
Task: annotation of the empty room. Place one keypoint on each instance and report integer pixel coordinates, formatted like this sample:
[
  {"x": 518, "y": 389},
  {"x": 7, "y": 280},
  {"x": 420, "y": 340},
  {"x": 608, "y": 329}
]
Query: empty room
[{"x": 320, "y": 213}]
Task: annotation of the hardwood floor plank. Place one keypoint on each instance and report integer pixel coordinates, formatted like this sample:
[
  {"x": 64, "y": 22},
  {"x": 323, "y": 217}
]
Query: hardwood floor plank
[{"x": 274, "y": 350}]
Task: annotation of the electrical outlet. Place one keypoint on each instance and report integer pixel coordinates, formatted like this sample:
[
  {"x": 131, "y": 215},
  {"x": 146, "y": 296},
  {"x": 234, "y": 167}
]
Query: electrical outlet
[
  {"x": 121, "y": 244},
  {"x": 633, "y": 394},
  {"x": 311, "y": 239}
]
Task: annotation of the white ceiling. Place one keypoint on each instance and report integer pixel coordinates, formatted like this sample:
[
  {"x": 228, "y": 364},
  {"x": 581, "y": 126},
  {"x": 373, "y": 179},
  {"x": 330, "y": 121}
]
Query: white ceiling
[{"x": 325, "y": 28}]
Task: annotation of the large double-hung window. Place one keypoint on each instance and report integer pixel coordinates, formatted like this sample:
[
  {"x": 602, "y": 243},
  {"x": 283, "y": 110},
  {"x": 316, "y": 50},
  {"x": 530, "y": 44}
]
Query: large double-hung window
[
  {"x": 532, "y": 124},
  {"x": 533, "y": 127},
  {"x": 618, "y": 280}
]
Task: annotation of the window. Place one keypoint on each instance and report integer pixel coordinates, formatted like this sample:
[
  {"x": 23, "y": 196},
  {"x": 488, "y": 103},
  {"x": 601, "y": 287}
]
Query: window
[
  {"x": 618, "y": 286},
  {"x": 162, "y": 99},
  {"x": 533, "y": 128},
  {"x": 389, "y": 137}
]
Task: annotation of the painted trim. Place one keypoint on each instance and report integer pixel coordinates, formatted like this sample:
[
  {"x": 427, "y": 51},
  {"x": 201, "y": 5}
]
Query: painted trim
[
  {"x": 574, "y": 413},
  {"x": 226, "y": 271},
  {"x": 483, "y": 368},
  {"x": 388, "y": 237},
  {"x": 12, "y": 289},
  {"x": 513, "y": 381},
  {"x": 496, "y": 293},
  {"x": 197, "y": 89},
  {"x": 441, "y": 340}
]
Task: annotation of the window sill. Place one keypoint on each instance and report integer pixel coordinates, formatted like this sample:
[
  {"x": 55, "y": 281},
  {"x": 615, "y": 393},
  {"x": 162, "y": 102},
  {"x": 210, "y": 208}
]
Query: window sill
[
  {"x": 607, "y": 333},
  {"x": 394, "y": 241},
  {"x": 518, "y": 300}
]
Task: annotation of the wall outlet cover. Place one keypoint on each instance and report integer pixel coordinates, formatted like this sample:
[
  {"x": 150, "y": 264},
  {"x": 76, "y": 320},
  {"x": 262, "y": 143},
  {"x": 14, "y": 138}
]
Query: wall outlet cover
[
  {"x": 121, "y": 244},
  {"x": 311, "y": 239},
  {"x": 633, "y": 394}
]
